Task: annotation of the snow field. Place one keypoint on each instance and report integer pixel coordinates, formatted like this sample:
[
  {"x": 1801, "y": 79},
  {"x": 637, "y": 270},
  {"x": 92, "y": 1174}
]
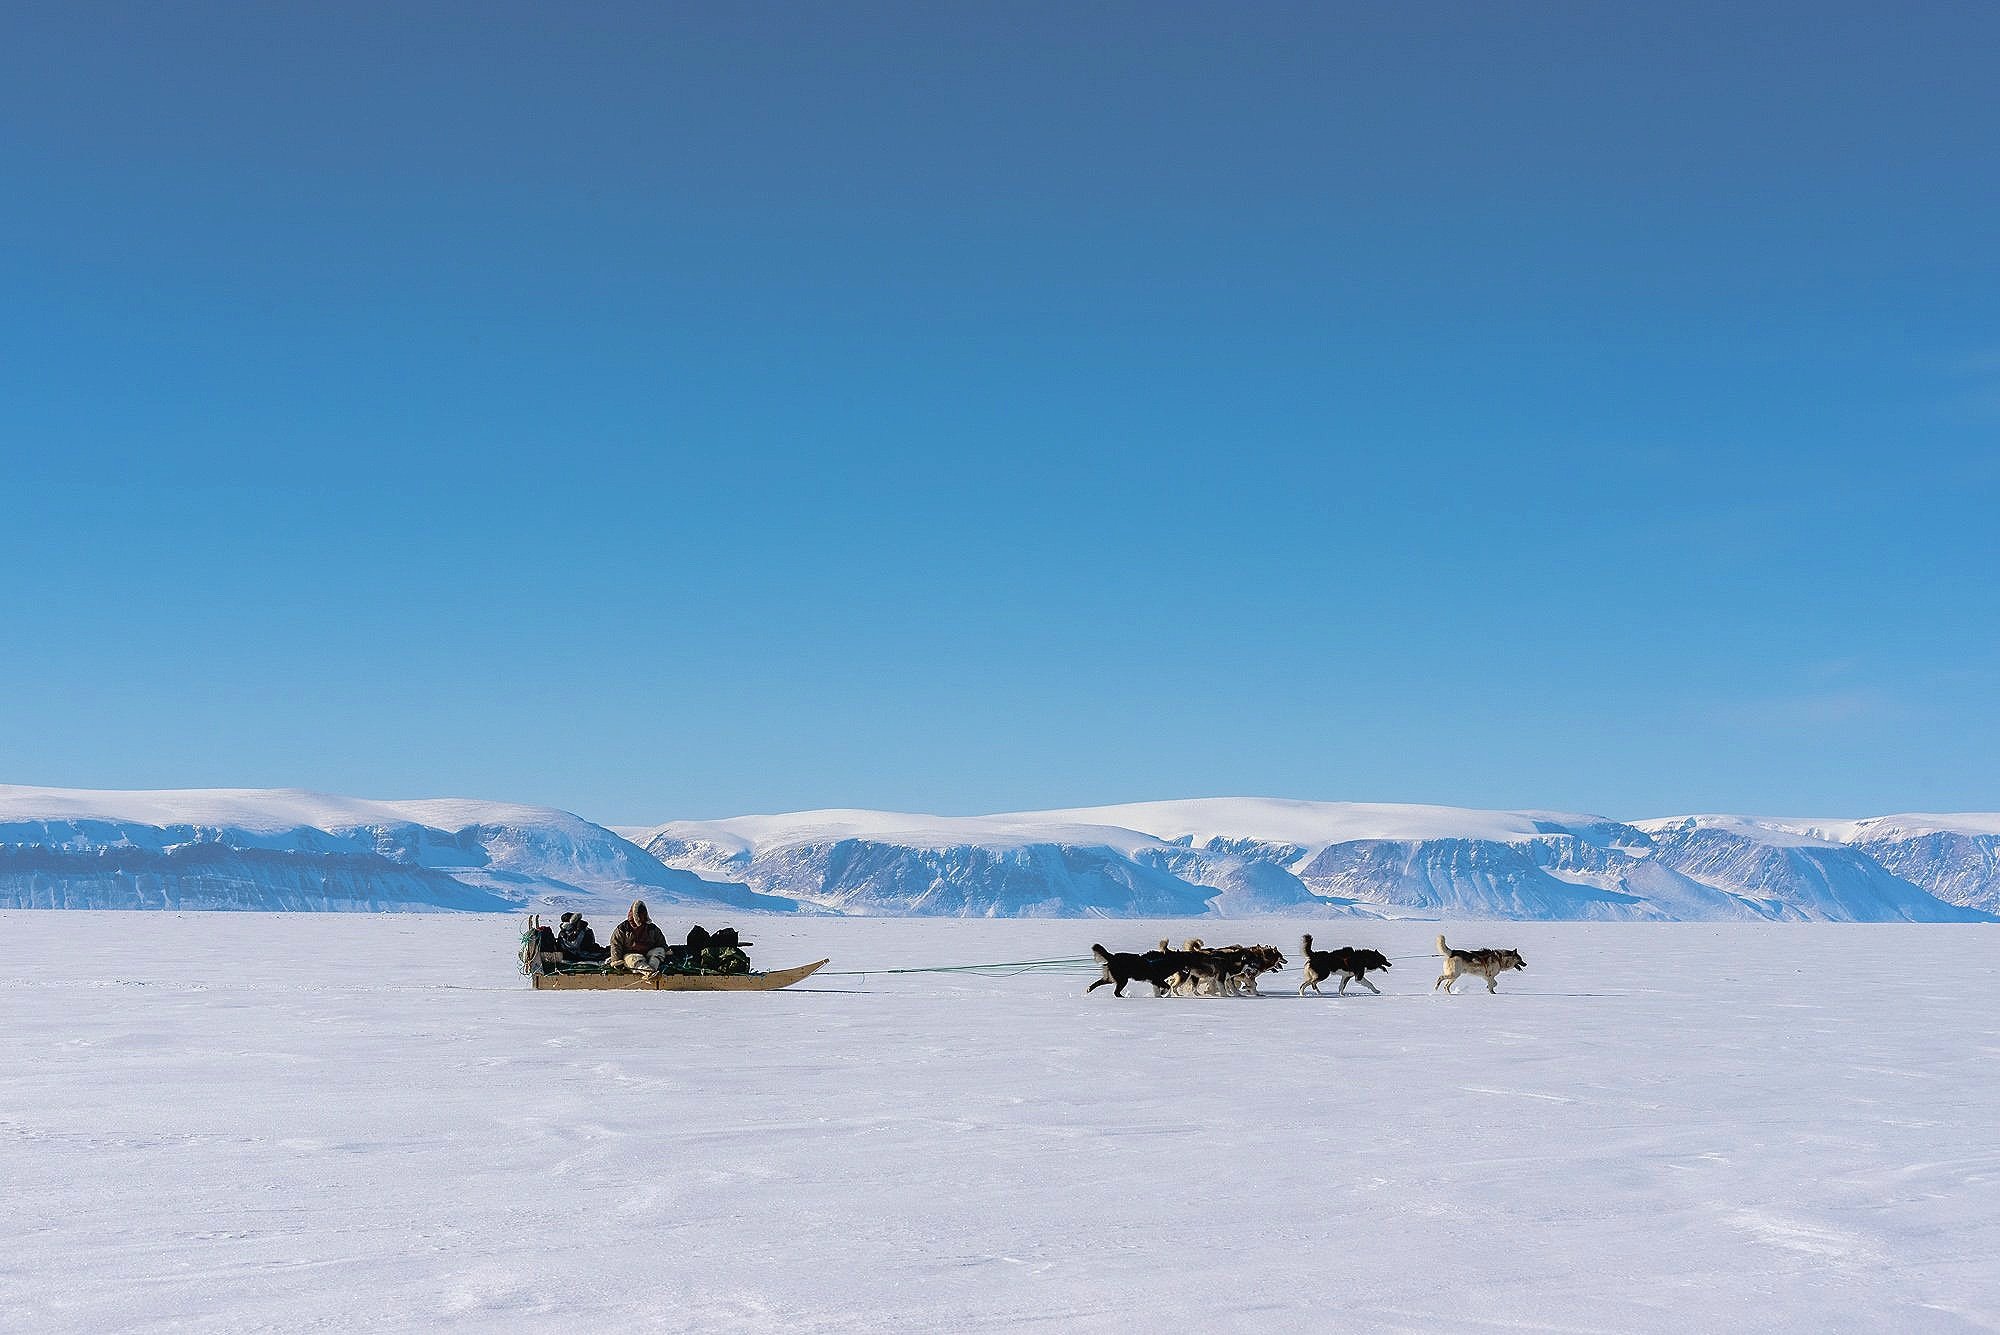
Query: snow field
[{"x": 225, "y": 1122}]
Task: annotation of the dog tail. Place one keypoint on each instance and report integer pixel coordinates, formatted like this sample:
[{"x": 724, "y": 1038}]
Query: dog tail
[
  {"x": 1308, "y": 943},
  {"x": 1103, "y": 955},
  {"x": 1443, "y": 949}
]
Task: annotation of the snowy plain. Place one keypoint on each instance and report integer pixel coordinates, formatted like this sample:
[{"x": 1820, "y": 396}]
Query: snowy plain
[{"x": 225, "y": 1122}]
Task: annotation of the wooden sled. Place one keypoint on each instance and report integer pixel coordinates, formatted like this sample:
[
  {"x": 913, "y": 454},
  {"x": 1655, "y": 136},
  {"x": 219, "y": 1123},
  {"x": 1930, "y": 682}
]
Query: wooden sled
[
  {"x": 543, "y": 980},
  {"x": 673, "y": 982}
]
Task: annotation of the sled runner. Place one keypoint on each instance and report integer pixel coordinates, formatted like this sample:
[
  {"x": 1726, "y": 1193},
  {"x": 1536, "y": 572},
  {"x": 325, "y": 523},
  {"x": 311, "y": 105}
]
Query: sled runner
[{"x": 672, "y": 982}]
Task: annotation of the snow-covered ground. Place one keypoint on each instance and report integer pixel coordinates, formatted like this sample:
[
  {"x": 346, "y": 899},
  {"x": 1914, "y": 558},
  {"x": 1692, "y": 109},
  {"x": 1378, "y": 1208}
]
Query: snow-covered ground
[{"x": 223, "y": 1122}]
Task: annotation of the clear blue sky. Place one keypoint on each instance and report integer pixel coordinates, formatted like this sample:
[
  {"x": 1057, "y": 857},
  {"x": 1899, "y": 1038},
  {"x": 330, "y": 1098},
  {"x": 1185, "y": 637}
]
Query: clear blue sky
[{"x": 677, "y": 410}]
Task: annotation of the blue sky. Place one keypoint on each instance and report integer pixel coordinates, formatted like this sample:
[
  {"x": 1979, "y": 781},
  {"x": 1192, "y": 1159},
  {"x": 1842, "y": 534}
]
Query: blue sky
[{"x": 683, "y": 410}]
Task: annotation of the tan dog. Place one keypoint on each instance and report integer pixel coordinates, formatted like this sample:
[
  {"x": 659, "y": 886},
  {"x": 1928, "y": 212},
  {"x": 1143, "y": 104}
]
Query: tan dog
[{"x": 1487, "y": 964}]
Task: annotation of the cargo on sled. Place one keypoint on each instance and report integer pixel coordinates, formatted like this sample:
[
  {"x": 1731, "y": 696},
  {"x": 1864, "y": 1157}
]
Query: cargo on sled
[{"x": 685, "y": 970}]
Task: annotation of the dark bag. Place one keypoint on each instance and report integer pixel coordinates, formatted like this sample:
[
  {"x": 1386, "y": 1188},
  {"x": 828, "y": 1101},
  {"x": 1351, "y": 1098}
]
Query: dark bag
[{"x": 725, "y": 959}]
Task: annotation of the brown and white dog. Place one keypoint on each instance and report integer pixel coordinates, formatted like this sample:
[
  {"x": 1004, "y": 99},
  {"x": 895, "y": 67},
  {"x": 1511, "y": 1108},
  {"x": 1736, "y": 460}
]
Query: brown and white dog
[
  {"x": 1487, "y": 964},
  {"x": 1221, "y": 971},
  {"x": 1259, "y": 960}
]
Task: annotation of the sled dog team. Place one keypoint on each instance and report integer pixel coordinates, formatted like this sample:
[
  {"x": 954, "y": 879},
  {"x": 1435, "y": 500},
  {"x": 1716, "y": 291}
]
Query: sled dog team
[
  {"x": 1194, "y": 969},
  {"x": 1232, "y": 971}
]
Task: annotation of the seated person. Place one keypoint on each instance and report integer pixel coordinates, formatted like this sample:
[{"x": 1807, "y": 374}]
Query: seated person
[
  {"x": 577, "y": 942},
  {"x": 638, "y": 943}
]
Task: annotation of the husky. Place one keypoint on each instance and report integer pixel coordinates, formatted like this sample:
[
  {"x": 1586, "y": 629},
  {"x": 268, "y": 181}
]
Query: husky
[
  {"x": 1123, "y": 968},
  {"x": 1214, "y": 971},
  {"x": 1220, "y": 971},
  {"x": 1259, "y": 960},
  {"x": 1487, "y": 964},
  {"x": 1352, "y": 963},
  {"x": 1181, "y": 964}
]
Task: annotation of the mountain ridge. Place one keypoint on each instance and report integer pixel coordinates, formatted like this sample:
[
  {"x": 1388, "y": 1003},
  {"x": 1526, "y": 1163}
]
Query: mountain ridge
[
  {"x": 1271, "y": 855},
  {"x": 294, "y": 849},
  {"x": 297, "y": 849}
]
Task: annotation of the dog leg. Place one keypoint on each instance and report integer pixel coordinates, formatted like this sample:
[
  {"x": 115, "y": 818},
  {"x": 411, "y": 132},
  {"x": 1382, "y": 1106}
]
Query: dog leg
[
  {"x": 1493, "y": 985},
  {"x": 1094, "y": 986},
  {"x": 1362, "y": 979},
  {"x": 1445, "y": 980}
]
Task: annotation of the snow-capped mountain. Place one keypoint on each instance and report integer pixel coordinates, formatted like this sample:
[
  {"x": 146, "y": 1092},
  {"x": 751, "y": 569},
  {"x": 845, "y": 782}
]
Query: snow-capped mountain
[
  {"x": 1240, "y": 856},
  {"x": 1956, "y": 858},
  {"x": 880, "y": 862},
  {"x": 286, "y": 849},
  {"x": 1398, "y": 860},
  {"x": 1793, "y": 871},
  {"x": 1953, "y": 857}
]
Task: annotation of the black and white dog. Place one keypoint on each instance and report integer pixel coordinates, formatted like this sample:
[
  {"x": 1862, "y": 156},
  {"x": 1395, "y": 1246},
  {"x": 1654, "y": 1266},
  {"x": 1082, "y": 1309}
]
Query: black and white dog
[
  {"x": 1155, "y": 967},
  {"x": 1487, "y": 964},
  {"x": 1353, "y": 964}
]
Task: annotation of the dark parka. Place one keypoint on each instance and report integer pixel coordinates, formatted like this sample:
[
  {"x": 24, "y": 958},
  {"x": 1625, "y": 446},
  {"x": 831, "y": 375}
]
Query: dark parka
[
  {"x": 577, "y": 941},
  {"x": 637, "y": 935}
]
